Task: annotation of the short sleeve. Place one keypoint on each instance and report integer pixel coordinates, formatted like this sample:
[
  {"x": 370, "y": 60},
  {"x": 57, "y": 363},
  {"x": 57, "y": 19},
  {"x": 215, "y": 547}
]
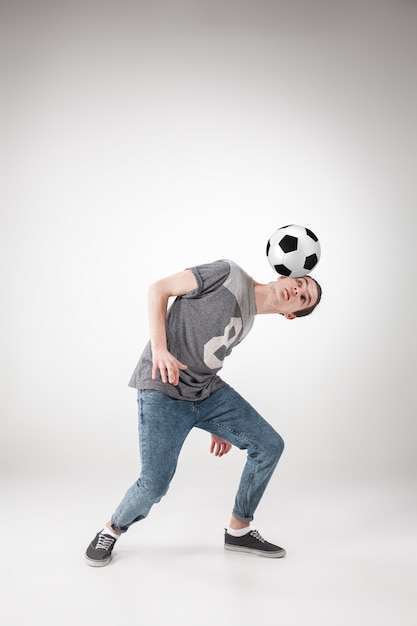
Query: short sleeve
[{"x": 209, "y": 277}]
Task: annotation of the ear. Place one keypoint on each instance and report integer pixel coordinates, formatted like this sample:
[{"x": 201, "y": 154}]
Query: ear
[{"x": 290, "y": 316}]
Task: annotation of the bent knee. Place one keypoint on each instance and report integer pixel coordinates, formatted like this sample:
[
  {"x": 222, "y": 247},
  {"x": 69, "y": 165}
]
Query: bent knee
[{"x": 276, "y": 445}]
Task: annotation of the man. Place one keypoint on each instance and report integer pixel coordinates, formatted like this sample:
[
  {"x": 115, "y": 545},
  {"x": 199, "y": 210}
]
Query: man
[{"x": 179, "y": 389}]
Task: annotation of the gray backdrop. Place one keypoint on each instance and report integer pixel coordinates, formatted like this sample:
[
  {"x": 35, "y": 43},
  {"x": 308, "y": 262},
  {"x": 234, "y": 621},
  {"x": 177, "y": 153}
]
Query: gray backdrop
[{"x": 139, "y": 138}]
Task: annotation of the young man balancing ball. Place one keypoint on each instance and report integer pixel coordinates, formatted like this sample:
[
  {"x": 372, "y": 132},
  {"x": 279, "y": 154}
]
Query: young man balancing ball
[{"x": 179, "y": 389}]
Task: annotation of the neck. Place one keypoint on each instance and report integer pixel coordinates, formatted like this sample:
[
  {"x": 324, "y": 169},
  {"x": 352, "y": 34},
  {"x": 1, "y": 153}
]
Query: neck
[{"x": 261, "y": 299}]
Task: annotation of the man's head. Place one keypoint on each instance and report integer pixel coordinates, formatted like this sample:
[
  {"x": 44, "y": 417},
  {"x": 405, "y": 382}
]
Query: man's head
[{"x": 297, "y": 297}]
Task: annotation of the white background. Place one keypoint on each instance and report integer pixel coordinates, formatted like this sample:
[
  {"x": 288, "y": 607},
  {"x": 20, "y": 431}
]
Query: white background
[{"x": 141, "y": 138}]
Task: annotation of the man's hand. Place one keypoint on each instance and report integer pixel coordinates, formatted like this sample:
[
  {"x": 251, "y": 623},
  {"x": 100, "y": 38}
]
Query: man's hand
[
  {"x": 168, "y": 366},
  {"x": 219, "y": 446}
]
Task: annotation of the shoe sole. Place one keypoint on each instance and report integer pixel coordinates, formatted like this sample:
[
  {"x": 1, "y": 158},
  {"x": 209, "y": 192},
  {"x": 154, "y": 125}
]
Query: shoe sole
[
  {"x": 101, "y": 563},
  {"x": 264, "y": 553}
]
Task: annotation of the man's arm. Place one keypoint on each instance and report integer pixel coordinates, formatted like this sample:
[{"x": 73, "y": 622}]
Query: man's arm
[{"x": 158, "y": 296}]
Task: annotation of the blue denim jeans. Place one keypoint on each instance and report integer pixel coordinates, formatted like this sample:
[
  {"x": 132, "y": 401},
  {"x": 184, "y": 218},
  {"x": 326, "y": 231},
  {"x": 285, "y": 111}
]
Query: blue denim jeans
[{"x": 164, "y": 424}]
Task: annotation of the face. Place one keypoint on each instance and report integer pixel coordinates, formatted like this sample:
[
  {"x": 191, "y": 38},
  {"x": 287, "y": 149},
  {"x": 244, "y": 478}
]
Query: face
[{"x": 293, "y": 294}]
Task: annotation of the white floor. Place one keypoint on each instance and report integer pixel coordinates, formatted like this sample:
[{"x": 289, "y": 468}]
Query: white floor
[{"x": 351, "y": 559}]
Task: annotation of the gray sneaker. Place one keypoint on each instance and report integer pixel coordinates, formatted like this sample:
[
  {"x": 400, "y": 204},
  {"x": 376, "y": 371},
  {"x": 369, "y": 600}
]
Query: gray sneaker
[
  {"x": 253, "y": 543},
  {"x": 99, "y": 551}
]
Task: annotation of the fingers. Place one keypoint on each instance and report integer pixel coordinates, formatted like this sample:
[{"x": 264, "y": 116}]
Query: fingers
[
  {"x": 169, "y": 369},
  {"x": 219, "y": 447},
  {"x": 168, "y": 374},
  {"x": 226, "y": 447}
]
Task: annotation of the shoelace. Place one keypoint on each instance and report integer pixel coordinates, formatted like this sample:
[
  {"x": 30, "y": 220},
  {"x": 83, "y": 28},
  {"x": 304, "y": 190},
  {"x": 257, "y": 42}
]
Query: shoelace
[
  {"x": 105, "y": 542},
  {"x": 257, "y": 535}
]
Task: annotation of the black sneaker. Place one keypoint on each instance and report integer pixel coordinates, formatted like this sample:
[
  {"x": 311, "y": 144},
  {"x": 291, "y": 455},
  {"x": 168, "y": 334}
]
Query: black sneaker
[
  {"x": 99, "y": 551},
  {"x": 253, "y": 543}
]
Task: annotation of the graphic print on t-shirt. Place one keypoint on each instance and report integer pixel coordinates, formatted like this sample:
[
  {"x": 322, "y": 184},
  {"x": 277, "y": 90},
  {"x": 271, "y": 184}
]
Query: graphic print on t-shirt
[{"x": 216, "y": 349}]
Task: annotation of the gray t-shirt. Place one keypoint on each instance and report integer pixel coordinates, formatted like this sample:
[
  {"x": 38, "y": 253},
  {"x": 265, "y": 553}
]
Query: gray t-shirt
[{"x": 203, "y": 326}]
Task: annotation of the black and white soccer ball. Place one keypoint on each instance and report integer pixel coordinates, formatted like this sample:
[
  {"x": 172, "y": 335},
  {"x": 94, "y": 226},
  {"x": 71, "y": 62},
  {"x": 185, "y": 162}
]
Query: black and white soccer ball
[{"x": 293, "y": 250}]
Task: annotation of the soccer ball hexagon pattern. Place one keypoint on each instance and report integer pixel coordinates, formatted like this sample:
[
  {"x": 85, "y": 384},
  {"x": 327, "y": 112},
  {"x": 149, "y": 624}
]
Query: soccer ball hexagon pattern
[{"x": 293, "y": 250}]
